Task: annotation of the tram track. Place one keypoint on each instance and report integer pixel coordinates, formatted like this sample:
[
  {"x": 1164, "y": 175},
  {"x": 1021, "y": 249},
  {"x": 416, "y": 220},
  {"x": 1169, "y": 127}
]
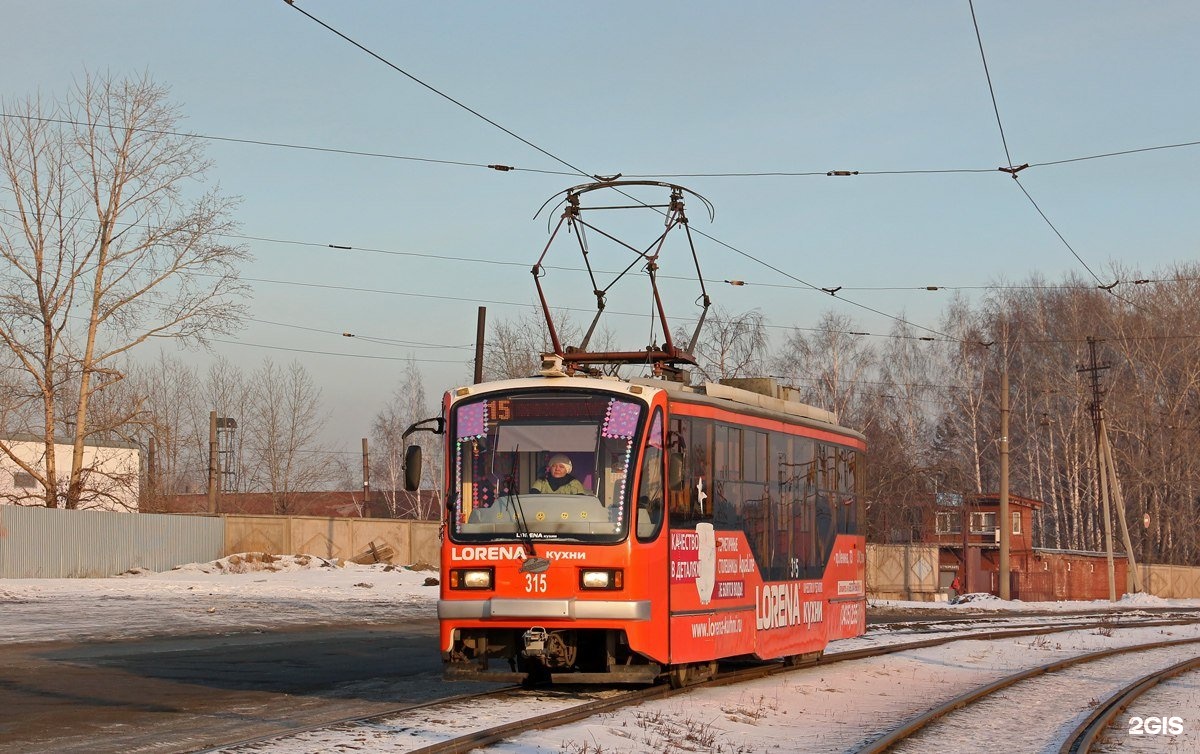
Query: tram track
[
  {"x": 922, "y": 723},
  {"x": 410, "y": 722},
  {"x": 1087, "y": 735}
]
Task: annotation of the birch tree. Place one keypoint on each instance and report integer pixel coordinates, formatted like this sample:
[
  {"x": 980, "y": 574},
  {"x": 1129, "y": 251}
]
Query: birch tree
[
  {"x": 107, "y": 239},
  {"x": 407, "y": 405},
  {"x": 282, "y": 435}
]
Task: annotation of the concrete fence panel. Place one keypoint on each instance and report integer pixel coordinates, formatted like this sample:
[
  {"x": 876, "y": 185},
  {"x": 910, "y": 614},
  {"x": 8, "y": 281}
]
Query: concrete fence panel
[{"x": 902, "y": 572}]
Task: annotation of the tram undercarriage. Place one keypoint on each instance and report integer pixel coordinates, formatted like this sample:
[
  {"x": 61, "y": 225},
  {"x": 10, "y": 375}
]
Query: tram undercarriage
[{"x": 539, "y": 655}]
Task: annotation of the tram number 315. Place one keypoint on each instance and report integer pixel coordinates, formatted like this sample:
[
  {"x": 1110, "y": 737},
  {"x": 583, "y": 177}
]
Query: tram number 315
[{"x": 535, "y": 582}]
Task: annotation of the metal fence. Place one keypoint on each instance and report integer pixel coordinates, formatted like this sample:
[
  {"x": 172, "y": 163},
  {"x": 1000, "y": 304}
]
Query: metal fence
[{"x": 55, "y": 543}]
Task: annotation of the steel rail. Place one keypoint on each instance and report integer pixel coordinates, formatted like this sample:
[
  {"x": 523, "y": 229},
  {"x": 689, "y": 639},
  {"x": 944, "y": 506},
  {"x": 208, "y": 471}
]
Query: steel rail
[
  {"x": 916, "y": 724},
  {"x": 586, "y": 709},
  {"x": 1081, "y": 740}
]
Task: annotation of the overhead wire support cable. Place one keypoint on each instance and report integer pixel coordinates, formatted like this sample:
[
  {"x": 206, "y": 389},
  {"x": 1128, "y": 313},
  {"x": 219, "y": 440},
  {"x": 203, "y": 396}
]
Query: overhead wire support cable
[
  {"x": 1013, "y": 170},
  {"x": 438, "y": 92},
  {"x": 991, "y": 89}
]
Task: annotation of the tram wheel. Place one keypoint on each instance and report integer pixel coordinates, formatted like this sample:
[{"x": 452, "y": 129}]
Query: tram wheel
[
  {"x": 808, "y": 658},
  {"x": 678, "y": 676},
  {"x": 691, "y": 673}
]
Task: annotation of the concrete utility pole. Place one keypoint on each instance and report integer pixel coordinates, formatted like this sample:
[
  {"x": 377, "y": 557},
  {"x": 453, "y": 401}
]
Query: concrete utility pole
[
  {"x": 1004, "y": 524},
  {"x": 1096, "y": 407},
  {"x": 366, "y": 474}
]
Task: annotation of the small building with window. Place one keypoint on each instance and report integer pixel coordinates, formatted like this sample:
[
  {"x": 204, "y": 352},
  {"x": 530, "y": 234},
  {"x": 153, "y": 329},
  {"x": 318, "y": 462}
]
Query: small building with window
[
  {"x": 111, "y": 473},
  {"x": 972, "y": 552}
]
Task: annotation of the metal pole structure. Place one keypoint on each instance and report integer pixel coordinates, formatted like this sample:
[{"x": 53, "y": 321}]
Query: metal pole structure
[
  {"x": 366, "y": 474},
  {"x": 480, "y": 334},
  {"x": 1005, "y": 525},
  {"x": 213, "y": 471}
]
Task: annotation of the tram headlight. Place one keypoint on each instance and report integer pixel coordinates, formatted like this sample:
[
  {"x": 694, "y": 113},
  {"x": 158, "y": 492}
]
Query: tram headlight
[
  {"x": 471, "y": 578},
  {"x": 608, "y": 578}
]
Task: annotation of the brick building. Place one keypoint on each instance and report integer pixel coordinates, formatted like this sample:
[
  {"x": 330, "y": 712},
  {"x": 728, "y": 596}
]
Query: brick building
[{"x": 967, "y": 532}]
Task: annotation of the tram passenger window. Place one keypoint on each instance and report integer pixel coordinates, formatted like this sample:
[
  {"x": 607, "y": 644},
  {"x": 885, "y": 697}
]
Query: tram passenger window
[
  {"x": 693, "y": 501},
  {"x": 803, "y": 478},
  {"x": 678, "y": 440},
  {"x": 727, "y": 492},
  {"x": 754, "y": 450},
  {"x": 847, "y": 492},
  {"x": 782, "y": 499},
  {"x": 827, "y": 492}
]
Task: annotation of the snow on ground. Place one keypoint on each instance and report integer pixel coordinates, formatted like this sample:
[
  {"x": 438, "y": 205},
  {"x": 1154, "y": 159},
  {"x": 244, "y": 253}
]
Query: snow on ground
[
  {"x": 831, "y": 708},
  {"x": 239, "y": 593}
]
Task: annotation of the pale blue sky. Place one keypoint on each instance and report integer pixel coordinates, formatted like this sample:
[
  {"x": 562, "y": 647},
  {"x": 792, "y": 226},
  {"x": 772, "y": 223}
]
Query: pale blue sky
[{"x": 650, "y": 88}]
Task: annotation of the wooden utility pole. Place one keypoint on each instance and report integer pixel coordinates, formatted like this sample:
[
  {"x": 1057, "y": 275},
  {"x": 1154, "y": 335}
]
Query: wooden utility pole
[
  {"x": 1114, "y": 487},
  {"x": 480, "y": 334}
]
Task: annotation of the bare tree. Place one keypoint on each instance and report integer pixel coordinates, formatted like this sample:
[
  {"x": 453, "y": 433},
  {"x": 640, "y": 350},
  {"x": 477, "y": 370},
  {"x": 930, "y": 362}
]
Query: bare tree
[
  {"x": 829, "y": 364},
  {"x": 515, "y": 346},
  {"x": 407, "y": 406},
  {"x": 281, "y": 432},
  {"x": 101, "y": 249},
  {"x": 729, "y": 345}
]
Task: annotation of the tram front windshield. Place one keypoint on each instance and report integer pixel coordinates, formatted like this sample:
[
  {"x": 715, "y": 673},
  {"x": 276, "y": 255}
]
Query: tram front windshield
[{"x": 543, "y": 465}]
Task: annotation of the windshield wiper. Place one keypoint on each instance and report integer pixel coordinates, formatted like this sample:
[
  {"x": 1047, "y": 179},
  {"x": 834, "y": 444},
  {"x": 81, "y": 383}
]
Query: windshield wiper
[{"x": 533, "y": 563}]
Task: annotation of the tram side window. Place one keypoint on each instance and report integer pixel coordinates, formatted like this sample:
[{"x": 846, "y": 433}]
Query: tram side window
[
  {"x": 847, "y": 513},
  {"x": 727, "y": 493},
  {"x": 691, "y": 497},
  {"x": 804, "y": 473},
  {"x": 755, "y": 513},
  {"x": 827, "y": 493},
  {"x": 783, "y": 505}
]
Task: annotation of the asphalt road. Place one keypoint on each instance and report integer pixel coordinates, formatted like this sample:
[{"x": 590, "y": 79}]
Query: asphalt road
[{"x": 183, "y": 694}]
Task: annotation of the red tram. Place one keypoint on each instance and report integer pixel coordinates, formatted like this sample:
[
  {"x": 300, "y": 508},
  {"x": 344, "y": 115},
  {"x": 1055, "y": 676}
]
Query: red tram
[{"x": 716, "y": 521}]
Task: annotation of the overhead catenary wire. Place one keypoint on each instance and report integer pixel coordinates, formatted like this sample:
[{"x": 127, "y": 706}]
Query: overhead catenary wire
[
  {"x": 803, "y": 284},
  {"x": 738, "y": 282},
  {"x": 584, "y": 173},
  {"x": 503, "y": 168},
  {"x": 518, "y": 304}
]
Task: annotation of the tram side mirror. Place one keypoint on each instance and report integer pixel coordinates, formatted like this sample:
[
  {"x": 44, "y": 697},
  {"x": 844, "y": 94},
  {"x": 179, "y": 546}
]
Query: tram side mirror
[{"x": 412, "y": 468}]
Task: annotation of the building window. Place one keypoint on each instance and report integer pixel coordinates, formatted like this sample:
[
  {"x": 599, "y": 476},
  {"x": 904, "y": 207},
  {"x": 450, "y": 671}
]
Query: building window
[
  {"x": 949, "y": 522},
  {"x": 24, "y": 480},
  {"x": 1016, "y": 518},
  {"x": 983, "y": 523}
]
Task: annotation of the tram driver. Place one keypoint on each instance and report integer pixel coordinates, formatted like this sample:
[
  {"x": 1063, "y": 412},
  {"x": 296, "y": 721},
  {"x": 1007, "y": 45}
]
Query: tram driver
[{"x": 558, "y": 478}]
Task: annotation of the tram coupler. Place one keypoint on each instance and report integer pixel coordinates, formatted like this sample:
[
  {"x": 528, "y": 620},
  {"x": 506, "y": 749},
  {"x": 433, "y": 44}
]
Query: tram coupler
[{"x": 535, "y": 642}]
